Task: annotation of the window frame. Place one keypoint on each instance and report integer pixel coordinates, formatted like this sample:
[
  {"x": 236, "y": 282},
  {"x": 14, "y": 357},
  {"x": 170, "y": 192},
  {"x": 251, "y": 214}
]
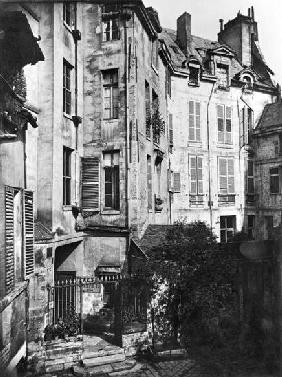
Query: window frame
[
  {"x": 67, "y": 14},
  {"x": 194, "y": 121},
  {"x": 113, "y": 87},
  {"x": 109, "y": 33},
  {"x": 227, "y": 228},
  {"x": 227, "y": 175},
  {"x": 226, "y": 135},
  {"x": 67, "y": 88},
  {"x": 251, "y": 227},
  {"x": 220, "y": 66},
  {"x": 194, "y": 81},
  {"x": 198, "y": 181},
  {"x": 67, "y": 176},
  {"x": 274, "y": 180},
  {"x": 114, "y": 174}
]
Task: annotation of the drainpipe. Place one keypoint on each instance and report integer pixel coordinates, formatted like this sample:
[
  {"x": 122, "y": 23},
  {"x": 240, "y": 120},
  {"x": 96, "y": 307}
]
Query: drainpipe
[
  {"x": 208, "y": 145},
  {"x": 126, "y": 121}
]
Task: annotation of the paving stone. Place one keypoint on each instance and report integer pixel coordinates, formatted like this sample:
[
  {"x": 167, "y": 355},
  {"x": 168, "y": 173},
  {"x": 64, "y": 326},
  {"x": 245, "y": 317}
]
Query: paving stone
[
  {"x": 54, "y": 368},
  {"x": 94, "y": 371},
  {"x": 103, "y": 360}
]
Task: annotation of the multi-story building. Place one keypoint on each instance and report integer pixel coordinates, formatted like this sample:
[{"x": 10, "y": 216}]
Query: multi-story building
[
  {"x": 20, "y": 55},
  {"x": 267, "y": 147},
  {"x": 219, "y": 90}
]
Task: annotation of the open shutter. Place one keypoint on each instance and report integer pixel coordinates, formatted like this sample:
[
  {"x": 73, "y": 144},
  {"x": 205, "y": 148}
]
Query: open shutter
[
  {"x": 90, "y": 183},
  {"x": 176, "y": 182},
  {"x": 29, "y": 233},
  {"x": 9, "y": 240}
]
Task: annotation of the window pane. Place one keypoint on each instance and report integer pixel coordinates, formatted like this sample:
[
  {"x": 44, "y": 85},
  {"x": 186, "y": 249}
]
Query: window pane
[
  {"x": 230, "y": 221},
  {"x": 222, "y": 166},
  {"x": 228, "y": 125},
  {"x": 191, "y": 107},
  {"x": 220, "y": 124}
]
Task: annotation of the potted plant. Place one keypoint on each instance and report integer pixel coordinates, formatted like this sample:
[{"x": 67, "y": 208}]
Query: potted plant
[{"x": 158, "y": 204}]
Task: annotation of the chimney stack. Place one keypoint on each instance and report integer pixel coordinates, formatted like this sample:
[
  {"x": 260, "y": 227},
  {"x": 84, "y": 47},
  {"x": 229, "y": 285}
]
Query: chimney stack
[
  {"x": 221, "y": 24},
  {"x": 184, "y": 38},
  {"x": 252, "y": 13}
]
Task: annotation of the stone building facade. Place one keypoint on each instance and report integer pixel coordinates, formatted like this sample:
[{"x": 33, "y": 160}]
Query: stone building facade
[{"x": 137, "y": 125}]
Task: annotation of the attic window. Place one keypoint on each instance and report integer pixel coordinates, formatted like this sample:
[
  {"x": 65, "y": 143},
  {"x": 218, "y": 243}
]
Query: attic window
[
  {"x": 222, "y": 76},
  {"x": 248, "y": 82},
  {"x": 193, "y": 75}
]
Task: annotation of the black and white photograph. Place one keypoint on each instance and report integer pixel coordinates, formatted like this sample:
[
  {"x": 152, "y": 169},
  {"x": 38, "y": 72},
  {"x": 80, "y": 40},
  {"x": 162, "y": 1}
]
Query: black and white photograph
[{"x": 140, "y": 188}]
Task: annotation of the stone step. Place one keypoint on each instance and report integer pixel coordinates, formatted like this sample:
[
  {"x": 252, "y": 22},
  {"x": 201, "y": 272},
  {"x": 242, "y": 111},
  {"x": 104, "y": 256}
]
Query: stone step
[
  {"x": 102, "y": 360},
  {"x": 112, "y": 369},
  {"x": 56, "y": 352},
  {"x": 62, "y": 344},
  {"x": 91, "y": 354}
]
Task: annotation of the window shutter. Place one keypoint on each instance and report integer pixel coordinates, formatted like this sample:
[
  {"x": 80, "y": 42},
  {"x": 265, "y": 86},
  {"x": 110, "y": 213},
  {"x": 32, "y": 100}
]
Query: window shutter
[
  {"x": 169, "y": 180},
  {"x": 242, "y": 128},
  {"x": 176, "y": 182},
  {"x": 193, "y": 175},
  {"x": 222, "y": 175},
  {"x": 192, "y": 135},
  {"x": 228, "y": 124},
  {"x": 149, "y": 182},
  {"x": 9, "y": 239},
  {"x": 170, "y": 122},
  {"x": 198, "y": 122},
  {"x": 90, "y": 183},
  {"x": 231, "y": 184},
  {"x": 29, "y": 233},
  {"x": 200, "y": 174},
  {"x": 246, "y": 121},
  {"x": 220, "y": 123}
]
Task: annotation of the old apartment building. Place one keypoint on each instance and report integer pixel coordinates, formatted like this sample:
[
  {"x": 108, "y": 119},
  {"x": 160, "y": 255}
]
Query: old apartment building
[{"x": 137, "y": 126}]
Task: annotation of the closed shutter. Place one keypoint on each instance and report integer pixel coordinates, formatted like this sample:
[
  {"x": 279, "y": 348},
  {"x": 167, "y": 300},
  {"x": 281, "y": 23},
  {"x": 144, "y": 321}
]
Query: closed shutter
[
  {"x": 9, "y": 239},
  {"x": 90, "y": 183},
  {"x": 176, "y": 182},
  {"x": 200, "y": 175},
  {"x": 170, "y": 122},
  {"x": 29, "y": 233},
  {"x": 228, "y": 124},
  {"x": 193, "y": 175},
  {"x": 220, "y": 123},
  {"x": 222, "y": 175},
  {"x": 231, "y": 183}
]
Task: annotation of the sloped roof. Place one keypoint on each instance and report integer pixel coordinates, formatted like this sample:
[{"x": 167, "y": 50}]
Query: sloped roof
[
  {"x": 41, "y": 233},
  {"x": 153, "y": 236},
  {"x": 271, "y": 116}
]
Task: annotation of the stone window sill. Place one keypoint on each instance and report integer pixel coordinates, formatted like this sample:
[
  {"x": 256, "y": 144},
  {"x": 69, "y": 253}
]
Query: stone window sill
[
  {"x": 110, "y": 212},
  {"x": 67, "y": 208}
]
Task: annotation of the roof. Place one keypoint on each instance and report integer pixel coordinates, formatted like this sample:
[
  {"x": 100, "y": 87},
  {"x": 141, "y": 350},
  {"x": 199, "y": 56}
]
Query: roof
[
  {"x": 271, "y": 116},
  {"x": 41, "y": 233},
  {"x": 153, "y": 236}
]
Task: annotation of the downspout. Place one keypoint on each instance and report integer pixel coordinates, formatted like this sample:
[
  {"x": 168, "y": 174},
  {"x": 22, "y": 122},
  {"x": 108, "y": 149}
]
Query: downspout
[
  {"x": 126, "y": 122},
  {"x": 208, "y": 146},
  {"x": 75, "y": 105}
]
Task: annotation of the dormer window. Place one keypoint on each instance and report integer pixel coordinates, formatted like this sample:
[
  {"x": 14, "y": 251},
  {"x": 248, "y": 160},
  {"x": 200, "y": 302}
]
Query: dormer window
[
  {"x": 194, "y": 75},
  {"x": 248, "y": 82},
  {"x": 222, "y": 76}
]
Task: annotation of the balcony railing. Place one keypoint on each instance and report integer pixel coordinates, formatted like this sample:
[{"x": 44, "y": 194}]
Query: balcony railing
[{"x": 226, "y": 199}]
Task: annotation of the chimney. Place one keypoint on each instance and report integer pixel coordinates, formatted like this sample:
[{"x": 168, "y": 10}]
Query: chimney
[
  {"x": 252, "y": 13},
  {"x": 221, "y": 24},
  {"x": 184, "y": 38}
]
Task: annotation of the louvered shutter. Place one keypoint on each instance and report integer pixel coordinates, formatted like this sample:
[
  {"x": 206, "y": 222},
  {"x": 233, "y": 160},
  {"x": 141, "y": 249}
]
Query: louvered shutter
[
  {"x": 29, "y": 233},
  {"x": 200, "y": 174},
  {"x": 228, "y": 125},
  {"x": 220, "y": 123},
  {"x": 222, "y": 175},
  {"x": 231, "y": 184},
  {"x": 193, "y": 175},
  {"x": 9, "y": 240},
  {"x": 176, "y": 182},
  {"x": 198, "y": 121},
  {"x": 191, "y": 121},
  {"x": 149, "y": 182},
  {"x": 169, "y": 180},
  {"x": 242, "y": 127},
  {"x": 90, "y": 183},
  {"x": 170, "y": 122}
]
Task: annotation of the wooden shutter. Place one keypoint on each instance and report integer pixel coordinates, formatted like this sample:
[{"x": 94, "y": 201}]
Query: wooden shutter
[
  {"x": 193, "y": 175},
  {"x": 242, "y": 130},
  {"x": 176, "y": 182},
  {"x": 200, "y": 174},
  {"x": 29, "y": 233},
  {"x": 170, "y": 129},
  {"x": 9, "y": 240},
  {"x": 149, "y": 182},
  {"x": 231, "y": 183},
  {"x": 90, "y": 183},
  {"x": 198, "y": 121},
  {"x": 192, "y": 135},
  {"x": 228, "y": 124},
  {"x": 220, "y": 123},
  {"x": 246, "y": 121},
  {"x": 222, "y": 162}
]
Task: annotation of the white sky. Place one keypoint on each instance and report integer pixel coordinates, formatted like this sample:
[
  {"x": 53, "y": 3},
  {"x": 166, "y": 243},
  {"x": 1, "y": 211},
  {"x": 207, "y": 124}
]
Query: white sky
[{"x": 205, "y": 15}]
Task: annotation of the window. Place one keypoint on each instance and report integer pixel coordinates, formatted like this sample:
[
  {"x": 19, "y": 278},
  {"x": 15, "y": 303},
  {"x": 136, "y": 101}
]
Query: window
[
  {"x": 67, "y": 88},
  {"x": 222, "y": 76},
  {"x": 227, "y": 228},
  {"x": 250, "y": 185},
  {"x": 67, "y": 176},
  {"x": 196, "y": 175},
  {"x": 224, "y": 124},
  {"x": 274, "y": 180},
  {"x": 251, "y": 227},
  {"x": 167, "y": 82},
  {"x": 149, "y": 181},
  {"x": 193, "y": 75},
  {"x": 248, "y": 83},
  {"x": 170, "y": 131},
  {"x": 176, "y": 182},
  {"x": 194, "y": 121},
  {"x": 67, "y": 16},
  {"x": 111, "y": 167},
  {"x": 111, "y": 94},
  {"x": 268, "y": 227},
  {"x": 147, "y": 110},
  {"x": 155, "y": 54},
  {"x": 226, "y": 179},
  {"x": 111, "y": 29}
]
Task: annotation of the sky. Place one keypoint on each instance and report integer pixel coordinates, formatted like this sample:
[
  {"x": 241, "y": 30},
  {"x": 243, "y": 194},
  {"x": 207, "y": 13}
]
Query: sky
[{"x": 205, "y": 15}]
